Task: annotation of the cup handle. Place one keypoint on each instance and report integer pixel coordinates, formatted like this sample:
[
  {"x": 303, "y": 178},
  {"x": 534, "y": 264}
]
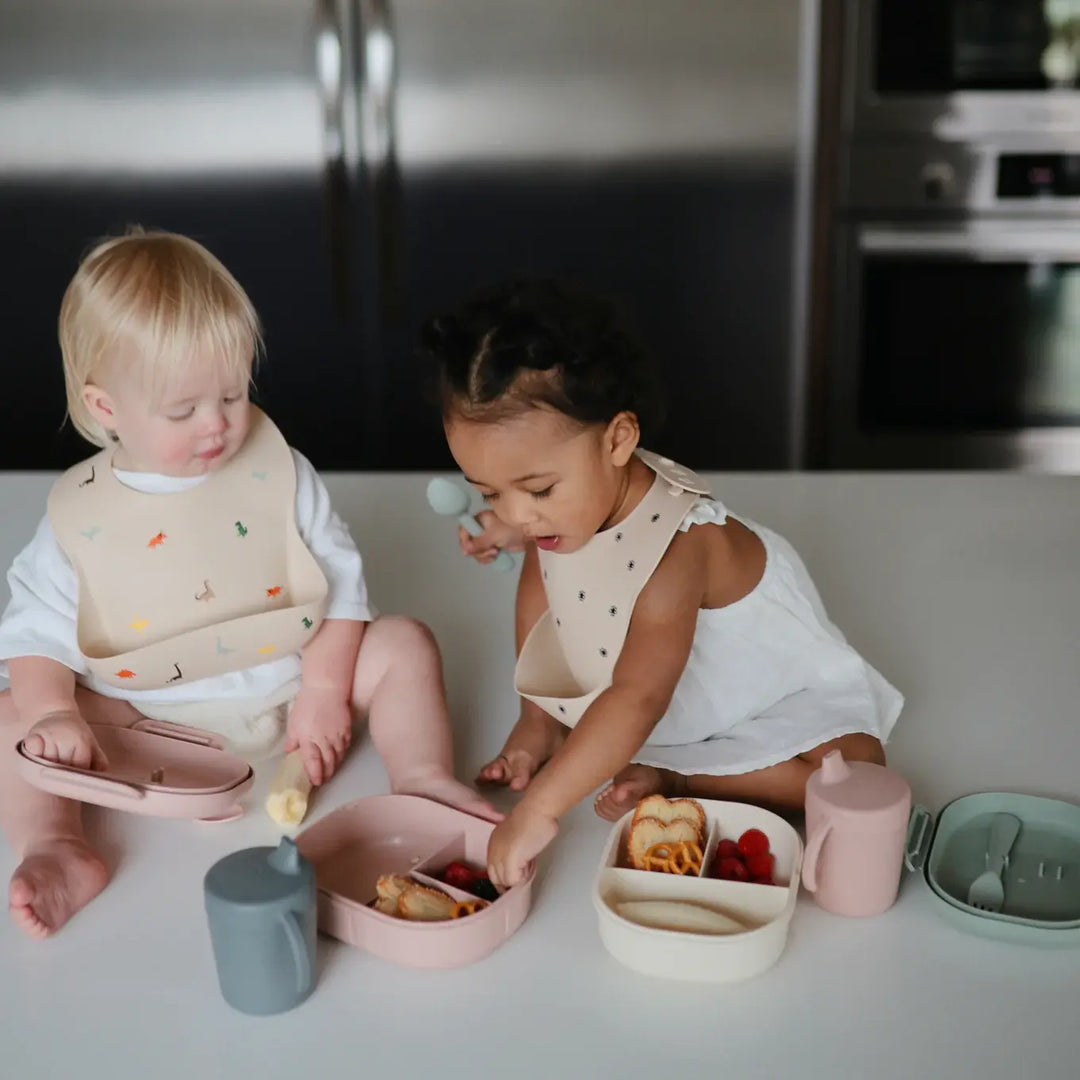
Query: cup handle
[
  {"x": 814, "y": 844},
  {"x": 295, "y": 936}
]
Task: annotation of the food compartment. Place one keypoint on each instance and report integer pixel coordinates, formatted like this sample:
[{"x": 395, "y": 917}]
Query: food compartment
[
  {"x": 407, "y": 835},
  {"x": 465, "y": 859},
  {"x": 351, "y": 850},
  {"x": 784, "y": 843},
  {"x": 752, "y": 906},
  {"x": 689, "y": 943},
  {"x": 730, "y": 823}
]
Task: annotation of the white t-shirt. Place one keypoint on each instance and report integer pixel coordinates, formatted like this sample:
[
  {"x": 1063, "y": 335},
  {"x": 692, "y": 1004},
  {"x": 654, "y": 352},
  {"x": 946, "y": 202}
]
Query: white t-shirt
[{"x": 40, "y": 618}]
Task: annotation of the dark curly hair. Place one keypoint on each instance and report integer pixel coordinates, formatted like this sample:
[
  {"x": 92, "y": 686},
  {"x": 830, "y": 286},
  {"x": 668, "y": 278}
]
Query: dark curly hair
[{"x": 530, "y": 343}]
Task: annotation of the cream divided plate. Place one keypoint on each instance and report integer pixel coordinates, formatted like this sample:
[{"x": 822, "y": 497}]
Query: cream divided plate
[
  {"x": 765, "y": 910},
  {"x": 358, "y": 843}
]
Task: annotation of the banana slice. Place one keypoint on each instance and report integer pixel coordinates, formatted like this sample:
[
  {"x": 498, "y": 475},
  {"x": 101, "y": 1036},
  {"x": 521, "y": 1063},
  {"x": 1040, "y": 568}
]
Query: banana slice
[
  {"x": 287, "y": 801},
  {"x": 678, "y": 915}
]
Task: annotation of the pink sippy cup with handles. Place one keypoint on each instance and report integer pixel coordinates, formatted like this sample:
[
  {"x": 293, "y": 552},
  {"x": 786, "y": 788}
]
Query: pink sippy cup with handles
[{"x": 856, "y": 828}]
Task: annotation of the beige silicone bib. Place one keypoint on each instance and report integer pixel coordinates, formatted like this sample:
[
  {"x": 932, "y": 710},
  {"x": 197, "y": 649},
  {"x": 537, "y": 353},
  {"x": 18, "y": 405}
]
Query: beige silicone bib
[
  {"x": 182, "y": 586},
  {"x": 569, "y": 656}
]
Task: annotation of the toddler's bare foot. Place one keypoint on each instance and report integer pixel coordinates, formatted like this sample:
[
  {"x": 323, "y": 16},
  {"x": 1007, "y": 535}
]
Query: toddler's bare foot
[
  {"x": 443, "y": 788},
  {"x": 55, "y": 879},
  {"x": 630, "y": 786},
  {"x": 533, "y": 740}
]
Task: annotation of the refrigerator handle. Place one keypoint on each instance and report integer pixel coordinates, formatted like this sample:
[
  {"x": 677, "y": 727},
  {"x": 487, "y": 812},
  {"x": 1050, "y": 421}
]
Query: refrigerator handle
[
  {"x": 378, "y": 142},
  {"x": 330, "y": 80}
]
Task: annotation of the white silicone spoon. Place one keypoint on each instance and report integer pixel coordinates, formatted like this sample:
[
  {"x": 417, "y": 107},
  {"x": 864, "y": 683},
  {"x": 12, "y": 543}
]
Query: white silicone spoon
[
  {"x": 447, "y": 498},
  {"x": 987, "y": 893}
]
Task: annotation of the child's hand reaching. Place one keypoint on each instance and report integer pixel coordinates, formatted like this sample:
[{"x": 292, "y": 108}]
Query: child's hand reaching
[
  {"x": 516, "y": 842},
  {"x": 496, "y": 537},
  {"x": 66, "y": 738},
  {"x": 320, "y": 725}
]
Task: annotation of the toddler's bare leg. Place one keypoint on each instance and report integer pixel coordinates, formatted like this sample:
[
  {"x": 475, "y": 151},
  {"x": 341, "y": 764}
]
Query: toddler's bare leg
[
  {"x": 399, "y": 687},
  {"x": 59, "y": 873},
  {"x": 534, "y": 738},
  {"x": 781, "y": 787}
]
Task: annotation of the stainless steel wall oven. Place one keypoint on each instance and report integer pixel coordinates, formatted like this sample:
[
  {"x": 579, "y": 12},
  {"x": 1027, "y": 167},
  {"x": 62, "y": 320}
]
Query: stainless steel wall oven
[{"x": 953, "y": 328}]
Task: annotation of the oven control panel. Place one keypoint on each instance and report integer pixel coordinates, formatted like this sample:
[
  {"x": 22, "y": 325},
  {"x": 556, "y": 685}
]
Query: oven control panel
[
  {"x": 942, "y": 179},
  {"x": 1038, "y": 176}
]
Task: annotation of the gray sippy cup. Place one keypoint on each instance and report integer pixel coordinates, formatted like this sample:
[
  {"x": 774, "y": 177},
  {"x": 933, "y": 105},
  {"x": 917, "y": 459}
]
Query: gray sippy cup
[{"x": 260, "y": 903}]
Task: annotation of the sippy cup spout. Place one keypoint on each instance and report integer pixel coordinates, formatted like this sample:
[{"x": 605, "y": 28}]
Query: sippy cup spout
[
  {"x": 834, "y": 769},
  {"x": 285, "y": 858}
]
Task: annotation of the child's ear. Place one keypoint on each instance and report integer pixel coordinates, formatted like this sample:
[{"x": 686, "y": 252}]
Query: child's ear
[
  {"x": 623, "y": 435},
  {"x": 99, "y": 405}
]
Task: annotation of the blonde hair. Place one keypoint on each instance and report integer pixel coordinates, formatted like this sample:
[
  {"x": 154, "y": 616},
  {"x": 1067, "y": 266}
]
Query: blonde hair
[{"x": 143, "y": 305}]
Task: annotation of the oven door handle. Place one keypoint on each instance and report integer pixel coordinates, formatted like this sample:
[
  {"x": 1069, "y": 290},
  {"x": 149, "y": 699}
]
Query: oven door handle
[{"x": 991, "y": 242}]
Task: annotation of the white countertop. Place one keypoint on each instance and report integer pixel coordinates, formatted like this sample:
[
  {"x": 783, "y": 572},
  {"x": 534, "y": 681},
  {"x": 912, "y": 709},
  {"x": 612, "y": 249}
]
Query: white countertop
[{"x": 963, "y": 589}]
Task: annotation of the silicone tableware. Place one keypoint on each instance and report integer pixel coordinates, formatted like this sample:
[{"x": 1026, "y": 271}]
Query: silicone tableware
[
  {"x": 157, "y": 768},
  {"x": 260, "y": 905},
  {"x": 987, "y": 891},
  {"x": 856, "y": 826},
  {"x": 1041, "y": 877},
  {"x": 765, "y": 910},
  {"x": 404, "y": 834},
  {"x": 449, "y": 499}
]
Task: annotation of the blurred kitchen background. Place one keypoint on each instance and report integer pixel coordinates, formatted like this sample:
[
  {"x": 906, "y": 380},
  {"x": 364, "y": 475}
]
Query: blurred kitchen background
[{"x": 848, "y": 230}]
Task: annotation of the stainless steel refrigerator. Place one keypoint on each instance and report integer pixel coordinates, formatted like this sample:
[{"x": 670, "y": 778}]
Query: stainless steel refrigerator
[{"x": 361, "y": 164}]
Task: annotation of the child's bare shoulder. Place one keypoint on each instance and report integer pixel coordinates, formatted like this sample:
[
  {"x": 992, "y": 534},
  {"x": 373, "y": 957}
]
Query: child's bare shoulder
[
  {"x": 679, "y": 583},
  {"x": 735, "y": 558}
]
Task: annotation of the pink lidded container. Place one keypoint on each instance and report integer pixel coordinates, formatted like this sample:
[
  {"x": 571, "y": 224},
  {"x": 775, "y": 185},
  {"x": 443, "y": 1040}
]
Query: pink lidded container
[{"x": 856, "y": 829}]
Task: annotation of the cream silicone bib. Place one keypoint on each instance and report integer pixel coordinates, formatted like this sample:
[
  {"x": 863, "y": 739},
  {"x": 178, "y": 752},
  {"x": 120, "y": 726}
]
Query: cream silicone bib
[
  {"x": 569, "y": 657},
  {"x": 183, "y": 586}
]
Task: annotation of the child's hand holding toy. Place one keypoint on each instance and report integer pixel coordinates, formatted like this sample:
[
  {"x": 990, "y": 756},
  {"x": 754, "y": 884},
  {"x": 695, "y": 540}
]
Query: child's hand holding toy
[
  {"x": 484, "y": 547},
  {"x": 482, "y": 536}
]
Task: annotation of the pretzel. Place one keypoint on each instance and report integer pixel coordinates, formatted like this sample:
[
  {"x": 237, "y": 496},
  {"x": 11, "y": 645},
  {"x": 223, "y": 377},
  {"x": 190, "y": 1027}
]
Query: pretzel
[
  {"x": 681, "y": 857},
  {"x": 467, "y": 907}
]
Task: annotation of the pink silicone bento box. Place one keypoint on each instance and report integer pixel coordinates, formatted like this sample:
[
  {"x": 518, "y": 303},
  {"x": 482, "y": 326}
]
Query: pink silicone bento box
[
  {"x": 157, "y": 768},
  {"x": 403, "y": 834}
]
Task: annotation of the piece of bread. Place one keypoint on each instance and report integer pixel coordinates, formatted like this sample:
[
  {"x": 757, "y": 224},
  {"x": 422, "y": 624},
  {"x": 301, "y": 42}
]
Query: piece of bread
[
  {"x": 389, "y": 889},
  {"x": 649, "y": 831},
  {"x": 678, "y": 915},
  {"x": 423, "y": 904},
  {"x": 666, "y": 810}
]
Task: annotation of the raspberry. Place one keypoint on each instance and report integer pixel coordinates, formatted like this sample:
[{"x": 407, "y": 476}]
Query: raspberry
[
  {"x": 753, "y": 842},
  {"x": 727, "y": 849},
  {"x": 762, "y": 880},
  {"x": 731, "y": 869},
  {"x": 760, "y": 865},
  {"x": 460, "y": 875}
]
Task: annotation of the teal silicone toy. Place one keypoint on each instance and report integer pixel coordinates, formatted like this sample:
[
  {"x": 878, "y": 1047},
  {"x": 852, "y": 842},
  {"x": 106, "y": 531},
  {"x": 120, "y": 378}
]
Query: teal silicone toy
[
  {"x": 1041, "y": 876},
  {"x": 449, "y": 499},
  {"x": 261, "y": 907}
]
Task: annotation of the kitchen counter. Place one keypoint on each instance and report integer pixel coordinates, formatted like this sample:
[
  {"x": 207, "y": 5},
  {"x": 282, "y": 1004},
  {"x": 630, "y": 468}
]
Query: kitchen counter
[{"x": 963, "y": 589}]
